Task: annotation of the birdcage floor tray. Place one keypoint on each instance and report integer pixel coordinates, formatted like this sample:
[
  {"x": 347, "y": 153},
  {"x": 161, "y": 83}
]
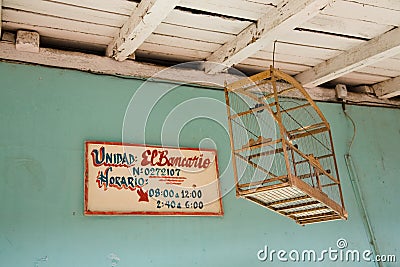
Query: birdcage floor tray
[{"x": 298, "y": 205}]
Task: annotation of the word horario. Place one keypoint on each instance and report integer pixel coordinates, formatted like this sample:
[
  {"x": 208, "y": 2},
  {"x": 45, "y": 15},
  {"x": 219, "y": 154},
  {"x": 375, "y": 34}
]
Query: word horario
[{"x": 160, "y": 158}]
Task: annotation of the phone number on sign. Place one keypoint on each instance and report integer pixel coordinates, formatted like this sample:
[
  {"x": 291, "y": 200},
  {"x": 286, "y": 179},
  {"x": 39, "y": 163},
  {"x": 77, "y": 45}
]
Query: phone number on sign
[{"x": 156, "y": 171}]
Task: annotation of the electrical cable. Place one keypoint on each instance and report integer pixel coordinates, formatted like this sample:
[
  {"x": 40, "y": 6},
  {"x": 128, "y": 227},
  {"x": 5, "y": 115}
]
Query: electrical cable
[
  {"x": 383, "y": 105},
  {"x": 354, "y": 131},
  {"x": 351, "y": 169}
]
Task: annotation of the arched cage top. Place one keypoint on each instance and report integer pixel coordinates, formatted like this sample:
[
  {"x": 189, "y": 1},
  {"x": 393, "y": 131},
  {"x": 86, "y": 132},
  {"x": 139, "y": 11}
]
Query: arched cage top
[{"x": 282, "y": 149}]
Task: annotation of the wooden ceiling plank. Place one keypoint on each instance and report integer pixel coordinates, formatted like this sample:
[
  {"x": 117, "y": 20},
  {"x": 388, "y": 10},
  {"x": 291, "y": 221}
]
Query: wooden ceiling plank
[
  {"x": 389, "y": 72},
  {"x": 116, "y": 6},
  {"x": 304, "y": 50},
  {"x": 58, "y": 33},
  {"x": 396, "y": 57},
  {"x": 283, "y": 57},
  {"x": 67, "y": 11},
  {"x": 360, "y": 11},
  {"x": 206, "y": 22},
  {"x": 255, "y": 37},
  {"x": 173, "y": 50},
  {"x": 391, "y": 63},
  {"x": 236, "y": 8},
  {"x": 151, "y": 56},
  {"x": 142, "y": 22},
  {"x": 387, "y": 89},
  {"x": 193, "y": 33},
  {"x": 379, "y": 48},
  {"x": 181, "y": 42},
  {"x": 319, "y": 40},
  {"x": 345, "y": 26},
  {"x": 388, "y": 4},
  {"x": 356, "y": 78},
  {"x": 252, "y": 69},
  {"x": 47, "y": 21},
  {"x": 363, "y": 77},
  {"x": 265, "y": 63}
]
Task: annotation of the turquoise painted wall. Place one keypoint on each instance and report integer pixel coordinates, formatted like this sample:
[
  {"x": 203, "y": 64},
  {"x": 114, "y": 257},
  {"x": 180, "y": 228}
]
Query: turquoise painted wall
[{"x": 46, "y": 114}]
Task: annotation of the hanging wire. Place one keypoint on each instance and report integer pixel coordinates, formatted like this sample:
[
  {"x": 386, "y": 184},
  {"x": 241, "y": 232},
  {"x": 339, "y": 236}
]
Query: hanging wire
[
  {"x": 273, "y": 66},
  {"x": 273, "y": 54}
]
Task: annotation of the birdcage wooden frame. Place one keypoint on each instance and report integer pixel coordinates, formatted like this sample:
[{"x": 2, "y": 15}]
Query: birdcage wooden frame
[{"x": 306, "y": 196}]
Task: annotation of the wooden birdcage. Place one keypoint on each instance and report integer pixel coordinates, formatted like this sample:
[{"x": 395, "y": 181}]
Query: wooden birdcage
[{"x": 282, "y": 150}]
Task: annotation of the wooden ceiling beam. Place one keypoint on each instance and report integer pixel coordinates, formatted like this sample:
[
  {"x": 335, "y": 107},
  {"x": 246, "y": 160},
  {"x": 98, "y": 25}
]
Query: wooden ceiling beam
[
  {"x": 277, "y": 22},
  {"x": 374, "y": 50},
  {"x": 387, "y": 89},
  {"x": 141, "y": 23},
  {"x": 128, "y": 68}
]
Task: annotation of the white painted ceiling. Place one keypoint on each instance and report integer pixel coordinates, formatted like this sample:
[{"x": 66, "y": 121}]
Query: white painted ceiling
[{"x": 195, "y": 30}]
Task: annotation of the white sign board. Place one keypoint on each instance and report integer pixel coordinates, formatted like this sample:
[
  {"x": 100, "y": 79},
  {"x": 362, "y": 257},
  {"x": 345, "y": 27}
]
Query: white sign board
[{"x": 128, "y": 179}]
